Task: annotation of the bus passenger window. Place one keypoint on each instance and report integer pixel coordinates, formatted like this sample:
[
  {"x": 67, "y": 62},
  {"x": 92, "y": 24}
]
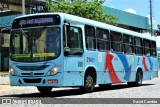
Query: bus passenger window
[
  {"x": 153, "y": 48},
  {"x": 128, "y": 44},
  {"x": 116, "y": 41},
  {"x": 90, "y": 37},
  {"x": 103, "y": 43},
  {"x": 147, "y": 47},
  {"x": 138, "y": 46},
  {"x": 74, "y": 41}
]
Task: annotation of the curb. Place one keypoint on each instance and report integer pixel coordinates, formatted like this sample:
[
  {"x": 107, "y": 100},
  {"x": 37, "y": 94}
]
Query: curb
[{"x": 3, "y": 74}]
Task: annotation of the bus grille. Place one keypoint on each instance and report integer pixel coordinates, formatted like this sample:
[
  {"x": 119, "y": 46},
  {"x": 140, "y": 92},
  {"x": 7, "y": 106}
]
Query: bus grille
[
  {"x": 35, "y": 74},
  {"x": 38, "y": 80},
  {"x": 32, "y": 68}
]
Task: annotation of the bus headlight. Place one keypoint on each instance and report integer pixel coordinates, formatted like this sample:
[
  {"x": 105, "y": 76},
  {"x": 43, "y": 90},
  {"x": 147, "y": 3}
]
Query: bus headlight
[
  {"x": 54, "y": 70},
  {"x": 13, "y": 72}
]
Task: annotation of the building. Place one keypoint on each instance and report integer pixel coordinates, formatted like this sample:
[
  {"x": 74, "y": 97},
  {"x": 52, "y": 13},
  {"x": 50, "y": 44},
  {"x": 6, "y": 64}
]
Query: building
[{"x": 13, "y": 8}]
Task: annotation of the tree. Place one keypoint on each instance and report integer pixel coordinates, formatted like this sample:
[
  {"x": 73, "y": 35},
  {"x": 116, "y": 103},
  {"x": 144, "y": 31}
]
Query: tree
[
  {"x": 158, "y": 31},
  {"x": 158, "y": 26},
  {"x": 90, "y": 9}
]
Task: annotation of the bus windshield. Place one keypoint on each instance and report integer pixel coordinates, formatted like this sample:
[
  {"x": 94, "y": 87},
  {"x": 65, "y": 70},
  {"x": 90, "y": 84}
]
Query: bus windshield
[{"x": 35, "y": 44}]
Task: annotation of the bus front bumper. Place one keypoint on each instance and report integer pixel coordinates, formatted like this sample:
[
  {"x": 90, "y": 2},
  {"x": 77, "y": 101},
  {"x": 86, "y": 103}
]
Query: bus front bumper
[{"x": 53, "y": 81}]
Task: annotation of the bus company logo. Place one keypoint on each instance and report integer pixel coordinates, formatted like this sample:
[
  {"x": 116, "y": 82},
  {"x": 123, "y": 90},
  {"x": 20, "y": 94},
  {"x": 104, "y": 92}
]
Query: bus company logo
[
  {"x": 31, "y": 74},
  {"x": 90, "y": 59}
]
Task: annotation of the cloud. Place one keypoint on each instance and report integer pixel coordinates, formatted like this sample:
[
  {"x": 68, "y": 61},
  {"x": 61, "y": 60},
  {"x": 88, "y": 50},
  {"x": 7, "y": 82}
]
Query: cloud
[{"x": 131, "y": 11}]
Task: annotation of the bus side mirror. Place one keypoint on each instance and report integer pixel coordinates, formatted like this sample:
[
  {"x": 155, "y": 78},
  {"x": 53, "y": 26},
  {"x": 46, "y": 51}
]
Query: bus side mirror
[
  {"x": 67, "y": 51},
  {"x": 1, "y": 40}
]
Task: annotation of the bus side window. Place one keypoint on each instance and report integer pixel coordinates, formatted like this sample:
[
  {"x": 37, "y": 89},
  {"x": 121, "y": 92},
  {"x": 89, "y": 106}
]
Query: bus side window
[
  {"x": 73, "y": 44},
  {"x": 90, "y": 37},
  {"x": 116, "y": 41},
  {"x": 138, "y": 46},
  {"x": 153, "y": 48},
  {"x": 128, "y": 44},
  {"x": 103, "y": 43},
  {"x": 147, "y": 47}
]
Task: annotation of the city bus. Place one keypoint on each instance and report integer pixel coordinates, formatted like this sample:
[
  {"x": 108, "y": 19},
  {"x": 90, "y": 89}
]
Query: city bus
[{"x": 51, "y": 50}]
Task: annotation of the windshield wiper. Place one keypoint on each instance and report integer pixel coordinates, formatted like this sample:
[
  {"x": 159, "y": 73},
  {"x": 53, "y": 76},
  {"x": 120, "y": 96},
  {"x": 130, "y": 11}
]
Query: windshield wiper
[
  {"x": 37, "y": 33},
  {"x": 23, "y": 32}
]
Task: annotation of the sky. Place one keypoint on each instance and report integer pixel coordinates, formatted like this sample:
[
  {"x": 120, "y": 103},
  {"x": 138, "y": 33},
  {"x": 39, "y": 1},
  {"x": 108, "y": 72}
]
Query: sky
[{"x": 139, "y": 7}]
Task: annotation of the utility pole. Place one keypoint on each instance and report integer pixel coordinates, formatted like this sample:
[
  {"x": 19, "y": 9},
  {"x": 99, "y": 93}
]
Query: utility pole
[
  {"x": 23, "y": 7},
  {"x": 151, "y": 18}
]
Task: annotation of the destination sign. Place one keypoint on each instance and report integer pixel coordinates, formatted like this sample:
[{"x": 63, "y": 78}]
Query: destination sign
[
  {"x": 36, "y": 21},
  {"x": 32, "y": 21}
]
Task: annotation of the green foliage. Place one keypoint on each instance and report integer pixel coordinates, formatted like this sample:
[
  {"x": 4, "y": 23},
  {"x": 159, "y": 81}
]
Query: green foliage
[
  {"x": 90, "y": 9},
  {"x": 158, "y": 26}
]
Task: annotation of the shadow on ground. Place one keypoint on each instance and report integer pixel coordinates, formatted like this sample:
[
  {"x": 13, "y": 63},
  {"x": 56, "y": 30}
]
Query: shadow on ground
[{"x": 72, "y": 92}]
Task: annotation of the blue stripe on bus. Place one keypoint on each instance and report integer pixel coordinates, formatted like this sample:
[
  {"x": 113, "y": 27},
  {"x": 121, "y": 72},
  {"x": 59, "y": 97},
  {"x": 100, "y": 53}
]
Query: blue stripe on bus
[
  {"x": 125, "y": 65},
  {"x": 149, "y": 59}
]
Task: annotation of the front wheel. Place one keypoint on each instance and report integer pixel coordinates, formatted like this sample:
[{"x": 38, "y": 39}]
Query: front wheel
[
  {"x": 89, "y": 82},
  {"x": 44, "y": 89}
]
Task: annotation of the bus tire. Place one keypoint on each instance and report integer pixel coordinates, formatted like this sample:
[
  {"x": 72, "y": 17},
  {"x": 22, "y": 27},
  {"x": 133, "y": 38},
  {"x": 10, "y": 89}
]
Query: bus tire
[
  {"x": 138, "y": 80},
  {"x": 89, "y": 82},
  {"x": 44, "y": 89}
]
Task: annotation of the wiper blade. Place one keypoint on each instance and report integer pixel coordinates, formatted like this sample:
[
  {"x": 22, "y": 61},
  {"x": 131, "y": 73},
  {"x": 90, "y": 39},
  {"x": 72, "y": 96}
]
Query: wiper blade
[{"x": 23, "y": 32}]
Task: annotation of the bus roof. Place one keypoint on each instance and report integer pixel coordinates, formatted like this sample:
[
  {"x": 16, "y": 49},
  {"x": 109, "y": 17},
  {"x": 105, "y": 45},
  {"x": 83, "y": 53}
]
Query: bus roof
[{"x": 81, "y": 20}]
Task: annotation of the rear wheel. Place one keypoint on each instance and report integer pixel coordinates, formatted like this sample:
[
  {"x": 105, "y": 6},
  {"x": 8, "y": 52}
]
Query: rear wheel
[
  {"x": 138, "y": 80},
  {"x": 44, "y": 89},
  {"x": 89, "y": 82}
]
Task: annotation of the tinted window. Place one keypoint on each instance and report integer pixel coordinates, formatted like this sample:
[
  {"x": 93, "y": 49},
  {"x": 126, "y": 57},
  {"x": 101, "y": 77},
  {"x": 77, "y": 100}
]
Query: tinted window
[
  {"x": 90, "y": 37},
  {"x": 103, "y": 43},
  {"x": 153, "y": 48},
  {"x": 138, "y": 46},
  {"x": 147, "y": 46},
  {"x": 128, "y": 44},
  {"x": 116, "y": 41}
]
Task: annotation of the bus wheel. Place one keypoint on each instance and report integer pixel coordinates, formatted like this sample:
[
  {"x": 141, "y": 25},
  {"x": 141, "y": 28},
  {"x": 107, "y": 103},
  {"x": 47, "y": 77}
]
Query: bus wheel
[
  {"x": 89, "y": 82},
  {"x": 44, "y": 89},
  {"x": 139, "y": 78},
  {"x": 138, "y": 81}
]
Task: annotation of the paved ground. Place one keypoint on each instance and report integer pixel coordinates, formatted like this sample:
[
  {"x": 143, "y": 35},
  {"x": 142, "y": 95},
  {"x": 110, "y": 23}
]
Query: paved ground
[{"x": 149, "y": 89}]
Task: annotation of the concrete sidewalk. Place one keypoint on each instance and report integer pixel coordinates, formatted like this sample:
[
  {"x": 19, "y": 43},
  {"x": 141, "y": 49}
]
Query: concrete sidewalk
[{"x": 4, "y": 80}]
